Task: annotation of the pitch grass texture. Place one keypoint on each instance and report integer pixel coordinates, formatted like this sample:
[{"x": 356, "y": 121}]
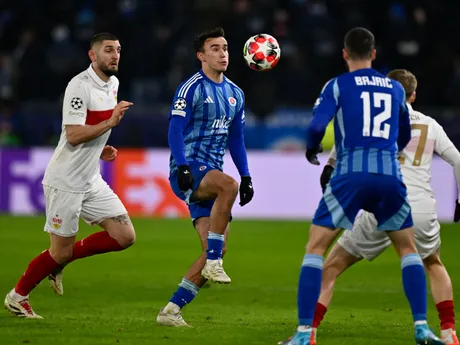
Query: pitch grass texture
[{"x": 114, "y": 298}]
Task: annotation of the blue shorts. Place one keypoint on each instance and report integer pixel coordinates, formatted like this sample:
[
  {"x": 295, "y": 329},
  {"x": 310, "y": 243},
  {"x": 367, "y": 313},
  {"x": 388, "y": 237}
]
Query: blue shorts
[
  {"x": 197, "y": 208},
  {"x": 383, "y": 195}
]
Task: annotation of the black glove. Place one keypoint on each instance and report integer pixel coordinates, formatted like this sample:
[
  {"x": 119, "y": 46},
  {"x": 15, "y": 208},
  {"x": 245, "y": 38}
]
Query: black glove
[
  {"x": 457, "y": 211},
  {"x": 185, "y": 178},
  {"x": 326, "y": 176},
  {"x": 311, "y": 154},
  {"x": 246, "y": 190}
]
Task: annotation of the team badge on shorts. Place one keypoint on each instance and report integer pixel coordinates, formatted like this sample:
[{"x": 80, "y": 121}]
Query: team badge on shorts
[
  {"x": 57, "y": 222},
  {"x": 232, "y": 101},
  {"x": 203, "y": 167}
]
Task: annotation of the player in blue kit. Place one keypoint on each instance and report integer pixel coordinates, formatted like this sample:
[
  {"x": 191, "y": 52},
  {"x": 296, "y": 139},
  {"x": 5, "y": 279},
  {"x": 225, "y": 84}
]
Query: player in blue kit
[
  {"x": 207, "y": 113},
  {"x": 371, "y": 124}
]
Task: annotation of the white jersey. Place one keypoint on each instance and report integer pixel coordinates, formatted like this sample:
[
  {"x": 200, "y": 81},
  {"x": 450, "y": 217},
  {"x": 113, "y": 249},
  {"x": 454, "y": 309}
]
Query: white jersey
[
  {"x": 428, "y": 137},
  {"x": 88, "y": 100}
]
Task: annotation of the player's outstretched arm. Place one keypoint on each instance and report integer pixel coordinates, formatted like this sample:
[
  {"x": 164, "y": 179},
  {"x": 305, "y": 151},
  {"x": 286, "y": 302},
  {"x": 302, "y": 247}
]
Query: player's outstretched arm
[
  {"x": 447, "y": 151},
  {"x": 405, "y": 131},
  {"x": 239, "y": 156},
  {"x": 78, "y": 134},
  {"x": 181, "y": 112},
  {"x": 323, "y": 112}
]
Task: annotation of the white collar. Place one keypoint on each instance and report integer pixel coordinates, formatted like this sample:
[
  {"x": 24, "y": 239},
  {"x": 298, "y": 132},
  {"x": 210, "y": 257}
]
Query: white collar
[
  {"x": 96, "y": 78},
  {"x": 409, "y": 107}
]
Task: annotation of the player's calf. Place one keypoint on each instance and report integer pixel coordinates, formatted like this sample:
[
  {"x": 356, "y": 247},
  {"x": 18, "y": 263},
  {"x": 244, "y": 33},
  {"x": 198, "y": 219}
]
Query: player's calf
[{"x": 441, "y": 289}]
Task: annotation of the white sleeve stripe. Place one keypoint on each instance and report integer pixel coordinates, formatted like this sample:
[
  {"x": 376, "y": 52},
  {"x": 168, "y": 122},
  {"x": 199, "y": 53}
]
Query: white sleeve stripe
[
  {"x": 184, "y": 86},
  {"x": 190, "y": 85}
]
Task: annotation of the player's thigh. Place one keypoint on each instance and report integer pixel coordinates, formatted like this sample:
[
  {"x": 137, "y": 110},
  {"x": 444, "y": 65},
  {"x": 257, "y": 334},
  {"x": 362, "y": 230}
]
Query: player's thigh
[
  {"x": 427, "y": 233},
  {"x": 214, "y": 183},
  {"x": 63, "y": 211},
  {"x": 364, "y": 241},
  {"x": 338, "y": 260},
  {"x": 403, "y": 240},
  {"x": 102, "y": 206},
  {"x": 320, "y": 239},
  {"x": 341, "y": 202}
]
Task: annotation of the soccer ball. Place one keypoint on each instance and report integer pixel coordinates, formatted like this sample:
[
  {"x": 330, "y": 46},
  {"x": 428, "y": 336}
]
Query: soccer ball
[{"x": 261, "y": 52}]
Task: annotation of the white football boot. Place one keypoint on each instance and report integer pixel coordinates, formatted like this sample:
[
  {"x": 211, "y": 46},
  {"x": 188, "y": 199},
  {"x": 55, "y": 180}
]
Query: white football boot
[
  {"x": 55, "y": 281},
  {"x": 213, "y": 270},
  {"x": 171, "y": 316},
  {"x": 20, "y": 308}
]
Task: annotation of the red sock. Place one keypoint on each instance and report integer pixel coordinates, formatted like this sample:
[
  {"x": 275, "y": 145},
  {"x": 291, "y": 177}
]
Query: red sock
[
  {"x": 446, "y": 314},
  {"x": 38, "y": 269},
  {"x": 97, "y": 243},
  {"x": 320, "y": 311}
]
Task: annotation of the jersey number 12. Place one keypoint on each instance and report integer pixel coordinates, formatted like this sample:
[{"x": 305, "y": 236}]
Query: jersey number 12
[{"x": 381, "y": 101}]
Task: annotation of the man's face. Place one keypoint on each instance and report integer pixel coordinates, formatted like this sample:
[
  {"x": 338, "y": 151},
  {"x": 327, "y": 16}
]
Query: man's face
[
  {"x": 108, "y": 56},
  {"x": 216, "y": 53}
]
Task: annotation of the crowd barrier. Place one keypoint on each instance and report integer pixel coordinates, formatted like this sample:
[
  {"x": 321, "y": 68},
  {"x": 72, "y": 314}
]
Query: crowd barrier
[{"x": 286, "y": 186}]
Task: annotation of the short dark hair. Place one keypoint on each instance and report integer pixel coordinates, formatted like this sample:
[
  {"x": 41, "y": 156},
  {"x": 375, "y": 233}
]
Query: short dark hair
[
  {"x": 100, "y": 37},
  {"x": 359, "y": 43},
  {"x": 407, "y": 80},
  {"x": 198, "y": 43}
]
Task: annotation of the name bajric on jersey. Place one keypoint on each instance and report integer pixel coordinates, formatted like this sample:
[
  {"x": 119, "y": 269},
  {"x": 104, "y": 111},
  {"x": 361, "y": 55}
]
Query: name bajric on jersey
[{"x": 373, "y": 81}]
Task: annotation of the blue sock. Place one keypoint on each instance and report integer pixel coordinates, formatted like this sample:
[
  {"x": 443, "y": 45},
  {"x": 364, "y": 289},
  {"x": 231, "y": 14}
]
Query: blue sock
[
  {"x": 185, "y": 293},
  {"x": 309, "y": 288},
  {"x": 215, "y": 245},
  {"x": 414, "y": 282}
]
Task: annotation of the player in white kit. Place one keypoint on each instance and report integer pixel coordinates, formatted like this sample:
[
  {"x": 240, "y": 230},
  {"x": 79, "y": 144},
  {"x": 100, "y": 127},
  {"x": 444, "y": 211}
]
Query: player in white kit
[
  {"x": 73, "y": 184},
  {"x": 428, "y": 138}
]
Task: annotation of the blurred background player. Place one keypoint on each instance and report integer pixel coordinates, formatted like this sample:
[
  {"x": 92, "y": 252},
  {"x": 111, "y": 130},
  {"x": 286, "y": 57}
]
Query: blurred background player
[
  {"x": 371, "y": 122},
  {"x": 207, "y": 111},
  {"x": 428, "y": 137},
  {"x": 73, "y": 184}
]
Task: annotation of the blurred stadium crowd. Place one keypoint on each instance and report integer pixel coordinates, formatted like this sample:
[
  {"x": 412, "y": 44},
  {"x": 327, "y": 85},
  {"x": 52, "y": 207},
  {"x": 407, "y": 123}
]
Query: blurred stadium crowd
[{"x": 43, "y": 44}]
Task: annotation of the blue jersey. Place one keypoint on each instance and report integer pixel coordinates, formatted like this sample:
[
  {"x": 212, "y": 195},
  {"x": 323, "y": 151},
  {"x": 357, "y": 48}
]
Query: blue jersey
[
  {"x": 211, "y": 115},
  {"x": 371, "y": 121}
]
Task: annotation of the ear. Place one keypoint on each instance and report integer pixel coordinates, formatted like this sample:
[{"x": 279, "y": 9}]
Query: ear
[
  {"x": 345, "y": 54},
  {"x": 200, "y": 56},
  {"x": 373, "y": 55},
  {"x": 413, "y": 97},
  {"x": 92, "y": 55}
]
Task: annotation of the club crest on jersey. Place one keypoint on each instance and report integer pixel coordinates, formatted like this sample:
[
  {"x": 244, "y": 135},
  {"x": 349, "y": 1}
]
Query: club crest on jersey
[
  {"x": 115, "y": 94},
  {"x": 57, "y": 222},
  {"x": 180, "y": 104},
  {"x": 232, "y": 101},
  {"x": 203, "y": 167}
]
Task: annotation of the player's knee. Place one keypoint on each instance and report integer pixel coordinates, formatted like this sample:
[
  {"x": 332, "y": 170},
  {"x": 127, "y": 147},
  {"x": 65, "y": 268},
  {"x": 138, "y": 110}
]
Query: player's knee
[
  {"x": 432, "y": 261},
  {"x": 229, "y": 187},
  {"x": 62, "y": 255},
  {"x": 127, "y": 238}
]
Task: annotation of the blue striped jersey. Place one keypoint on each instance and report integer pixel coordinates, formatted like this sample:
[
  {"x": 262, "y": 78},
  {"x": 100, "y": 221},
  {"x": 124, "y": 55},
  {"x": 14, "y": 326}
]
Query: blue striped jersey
[
  {"x": 369, "y": 110},
  {"x": 210, "y": 109}
]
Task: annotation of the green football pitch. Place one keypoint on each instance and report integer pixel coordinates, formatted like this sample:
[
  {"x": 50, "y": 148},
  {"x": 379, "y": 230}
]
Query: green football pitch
[{"x": 114, "y": 298}]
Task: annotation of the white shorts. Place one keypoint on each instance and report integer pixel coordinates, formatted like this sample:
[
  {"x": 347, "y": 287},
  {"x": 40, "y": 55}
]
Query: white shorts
[
  {"x": 63, "y": 209},
  {"x": 364, "y": 241}
]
